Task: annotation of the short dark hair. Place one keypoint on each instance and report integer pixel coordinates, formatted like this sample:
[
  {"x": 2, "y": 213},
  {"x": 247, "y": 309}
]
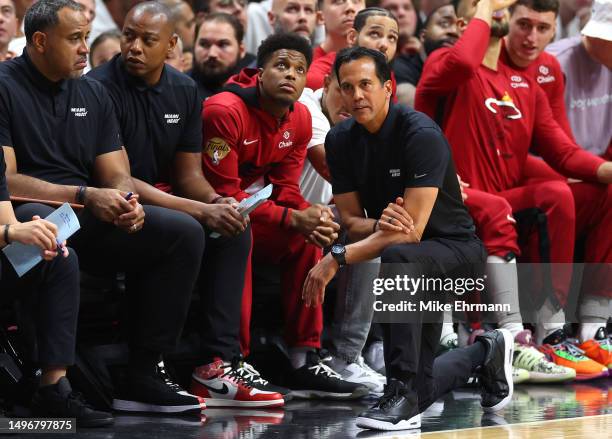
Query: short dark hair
[
  {"x": 538, "y": 5},
  {"x": 288, "y": 41},
  {"x": 112, "y": 34},
  {"x": 222, "y": 17},
  {"x": 42, "y": 15},
  {"x": 362, "y": 16},
  {"x": 383, "y": 71}
]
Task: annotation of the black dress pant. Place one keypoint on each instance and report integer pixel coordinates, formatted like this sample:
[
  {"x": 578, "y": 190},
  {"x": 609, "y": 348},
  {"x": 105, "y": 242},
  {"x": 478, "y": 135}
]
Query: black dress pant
[
  {"x": 410, "y": 348},
  {"x": 49, "y": 301},
  {"x": 161, "y": 262}
]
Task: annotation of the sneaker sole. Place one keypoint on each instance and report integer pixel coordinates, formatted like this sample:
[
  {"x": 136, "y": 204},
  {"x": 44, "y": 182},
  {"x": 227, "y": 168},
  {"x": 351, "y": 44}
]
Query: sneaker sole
[
  {"x": 592, "y": 376},
  {"x": 218, "y": 402},
  {"x": 508, "y": 351},
  {"x": 375, "y": 424},
  {"x": 535, "y": 377},
  {"x": 95, "y": 423},
  {"x": 134, "y": 406},
  {"x": 320, "y": 394}
]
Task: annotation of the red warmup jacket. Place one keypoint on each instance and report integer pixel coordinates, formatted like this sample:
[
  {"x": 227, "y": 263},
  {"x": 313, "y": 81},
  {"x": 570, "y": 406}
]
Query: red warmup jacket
[
  {"x": 244, "y": 146},
  {"x": 322, "y": 66},
  {"x": 492, "y": 117}
]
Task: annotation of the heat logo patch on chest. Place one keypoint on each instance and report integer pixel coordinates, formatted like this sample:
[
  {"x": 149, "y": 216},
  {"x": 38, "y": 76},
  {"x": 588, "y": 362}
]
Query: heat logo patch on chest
[
  {"x": 505, "y": 105},
  {"x": 79, "y": 111},
  {"x": 172, "y": 118},
  {"x": 216, "y": 149}
]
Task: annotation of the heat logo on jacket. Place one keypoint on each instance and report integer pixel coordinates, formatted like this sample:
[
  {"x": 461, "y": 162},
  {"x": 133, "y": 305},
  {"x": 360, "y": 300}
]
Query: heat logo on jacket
[{"x": 505, "y": 105}]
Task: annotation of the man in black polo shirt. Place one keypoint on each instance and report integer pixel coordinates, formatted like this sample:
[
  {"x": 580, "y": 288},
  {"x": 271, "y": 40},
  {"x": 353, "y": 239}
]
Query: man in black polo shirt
[
  {"x": 50, "y": 293},
  {"x": 61, "y": 142},
  {"x": 161, "y": 126},
  {"x": 395, "y": 164}
]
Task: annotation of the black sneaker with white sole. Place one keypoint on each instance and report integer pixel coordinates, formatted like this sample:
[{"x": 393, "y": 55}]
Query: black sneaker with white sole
[
  {"x": 60, "y": 401},
  {"x": 316, "y": 380},
  {"x": 397, "y": 409},
  {"x": 154, "y": 394},
  {"x": 495, "y": 374}
]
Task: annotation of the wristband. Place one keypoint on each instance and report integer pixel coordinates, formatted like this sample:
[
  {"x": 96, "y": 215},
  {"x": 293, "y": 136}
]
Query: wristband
[
  {"x": 80, "y": 195},
  {"x": 6, "y": 234},
  {"x": 217, "y": 198}
]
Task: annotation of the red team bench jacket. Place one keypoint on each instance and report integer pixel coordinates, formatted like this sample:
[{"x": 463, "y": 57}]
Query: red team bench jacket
[{"x": 245, "y": 148}]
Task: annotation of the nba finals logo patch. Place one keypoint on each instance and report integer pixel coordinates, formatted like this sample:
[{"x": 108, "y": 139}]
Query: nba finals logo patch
[{"x": 217, "y": 149}]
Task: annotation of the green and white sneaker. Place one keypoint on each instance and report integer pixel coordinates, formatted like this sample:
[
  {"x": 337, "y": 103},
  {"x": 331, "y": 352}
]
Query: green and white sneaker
[
  {"x": 539, "y": 368},
  {"x": 519, "y": 375}
]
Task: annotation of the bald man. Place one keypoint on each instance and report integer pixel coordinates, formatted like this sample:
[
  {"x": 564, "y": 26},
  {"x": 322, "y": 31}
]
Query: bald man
[{"x": 298, "y": 16}]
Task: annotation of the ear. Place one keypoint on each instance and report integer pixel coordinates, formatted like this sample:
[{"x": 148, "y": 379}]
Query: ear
[
  {"x": 326, "y": 82},
  {"x": 39, "y": 41},
  {"x": 172, "y": 43},
  {"x": 461, "y": 24},
  {"x": 320, "y": 21},
  {"x": 271, "y": 18},
  {"x": 351, "y": 37},
  {"x": 260, "y": 71},
  {"x": 388, "y": 85},
  {"x": 241, "y": 50},
  {"x": 422, "y": 35}
]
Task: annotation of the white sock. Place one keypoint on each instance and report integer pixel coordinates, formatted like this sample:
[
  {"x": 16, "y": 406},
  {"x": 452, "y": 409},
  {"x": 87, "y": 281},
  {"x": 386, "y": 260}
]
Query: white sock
[
  {"x": 502, "y": 288},
  {"x": 447, "y": 326},
  {"x": 548, "y": 321},
  {"x": 297, "y": 356}
]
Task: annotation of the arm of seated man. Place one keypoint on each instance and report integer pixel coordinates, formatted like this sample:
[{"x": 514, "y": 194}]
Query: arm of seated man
[{"x": 417, "y": 205}]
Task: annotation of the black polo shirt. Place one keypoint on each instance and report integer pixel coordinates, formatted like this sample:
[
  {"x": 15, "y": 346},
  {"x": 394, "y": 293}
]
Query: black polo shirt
[
  {"x": 408, "y": 151},
  {"x": 56, "y": 129},
  {"x": 408, "y": 69},
  {"x": 4, "y": 195},
  {"x": 155, "y": 121}
]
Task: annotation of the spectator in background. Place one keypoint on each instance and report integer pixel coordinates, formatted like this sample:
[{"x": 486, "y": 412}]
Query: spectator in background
[
  {"x": 8, "y": 28},
  {"x": 338, "y": 17},
  {"x": 217, "y": 53},
  {"x": 184, "y": 21},
  {"x": 299, "y": 16},
  {"x": 586, "y": 62},
  {"x": 573, "y": 15},
  {"x": 426, "y": 7},
  {"x": 118, "y": 9},
  {"x": 407, "y": 19},
  {"x": 89, "y": 9},
  {"x": 104, "y": 47},
  {"x": 175, "y": 58},
  {"x": 440, "y": 30}
]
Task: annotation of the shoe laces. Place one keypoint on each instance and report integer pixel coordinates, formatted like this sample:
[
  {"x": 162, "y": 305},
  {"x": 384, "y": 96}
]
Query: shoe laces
[
  {"x": 530, "y": 358},
  {"x": 324, "y": 369},
  {"x": 161, "y": 372},
  {"x": 249, "y": 373},
  {"x": 239, "y": 373},
  {"x": 570, "y": 348}
]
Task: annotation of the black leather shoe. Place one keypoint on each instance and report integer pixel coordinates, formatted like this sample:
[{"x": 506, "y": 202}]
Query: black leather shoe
[
  {"x": 496, "y": 371},
  {"x": 397, "y": 409}
]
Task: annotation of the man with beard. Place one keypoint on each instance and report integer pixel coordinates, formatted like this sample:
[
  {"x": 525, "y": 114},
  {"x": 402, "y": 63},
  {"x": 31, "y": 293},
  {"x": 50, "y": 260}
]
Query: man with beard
[
  {"x": 440, "y": 30},
  {"x": 217, "y": 53},
  {"x": 507, "y": 113},
  {"x": 297, "y": 16}
]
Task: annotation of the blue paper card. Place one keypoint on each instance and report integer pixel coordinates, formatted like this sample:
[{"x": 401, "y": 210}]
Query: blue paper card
[{"x": 25, "y": 257}]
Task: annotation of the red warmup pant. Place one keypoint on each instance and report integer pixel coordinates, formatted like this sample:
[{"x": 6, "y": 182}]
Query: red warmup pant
[
  {"x": 571, "y": 210},
  {"x": 273, "y": 245}
]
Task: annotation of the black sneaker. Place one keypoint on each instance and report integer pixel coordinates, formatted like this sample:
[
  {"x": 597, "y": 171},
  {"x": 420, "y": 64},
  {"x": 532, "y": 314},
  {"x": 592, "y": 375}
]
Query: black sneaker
[
  {"x": 317, "y": 380},
  {"x": 397, "y": 409},
  {"x": 59, "y": 401},
  {"x": 163, "y": 374},
  {"x": 496, "y": 371},
  {"x": 254, "y": 378},
  {"x": 153, "y": 394}
]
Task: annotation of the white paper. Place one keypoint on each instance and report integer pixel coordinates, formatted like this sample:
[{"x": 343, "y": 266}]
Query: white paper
[
  {"x": 251, "y": 203},
  {"x": 25, "y": 257}
]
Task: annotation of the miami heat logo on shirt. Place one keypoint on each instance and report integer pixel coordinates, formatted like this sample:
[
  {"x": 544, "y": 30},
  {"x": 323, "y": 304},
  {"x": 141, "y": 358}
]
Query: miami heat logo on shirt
[
  {"x": 216, "y": 149},
  {"x": 505, "y": 106}
]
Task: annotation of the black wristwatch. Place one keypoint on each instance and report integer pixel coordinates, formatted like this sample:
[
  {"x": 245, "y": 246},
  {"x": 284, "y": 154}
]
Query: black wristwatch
[{"x": 338, "y": 252}]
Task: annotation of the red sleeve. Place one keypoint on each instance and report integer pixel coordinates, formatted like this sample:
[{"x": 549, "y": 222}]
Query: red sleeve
[
  {"x": 286, "y": 175},
  {"x": 222, "y": 127},
  {"x": 559, "y": 150},
  {"x": 319, "y": 69},
  {"x": 445, "y": 69}
]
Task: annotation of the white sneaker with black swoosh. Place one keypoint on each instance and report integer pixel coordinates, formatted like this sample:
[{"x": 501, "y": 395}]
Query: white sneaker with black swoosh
[{"x": 223, "y": 384}]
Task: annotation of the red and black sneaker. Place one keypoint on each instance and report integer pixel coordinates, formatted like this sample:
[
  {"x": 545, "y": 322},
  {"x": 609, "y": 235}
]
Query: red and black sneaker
[{"x": 225, "y": 384}]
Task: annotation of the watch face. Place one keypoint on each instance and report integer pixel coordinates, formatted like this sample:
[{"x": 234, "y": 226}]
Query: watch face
[{"x": 337, "y": 248}]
